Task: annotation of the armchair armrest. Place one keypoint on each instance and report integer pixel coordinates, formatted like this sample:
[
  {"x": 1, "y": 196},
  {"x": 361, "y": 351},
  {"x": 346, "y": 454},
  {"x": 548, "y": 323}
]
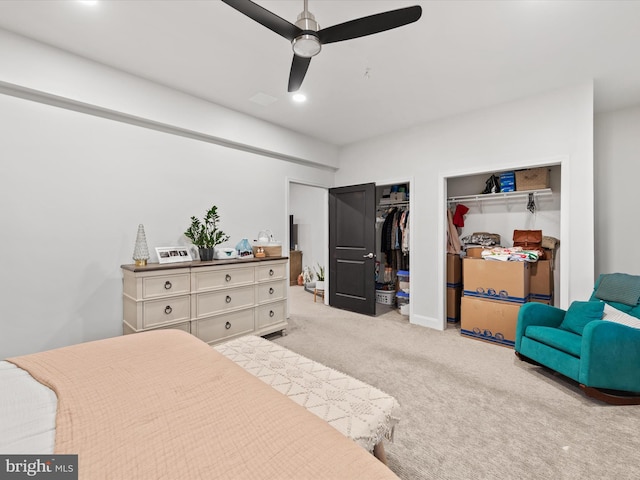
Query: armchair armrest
[
  {"x": 610, "y": 356},
  {"x": 534, "y": 313}
]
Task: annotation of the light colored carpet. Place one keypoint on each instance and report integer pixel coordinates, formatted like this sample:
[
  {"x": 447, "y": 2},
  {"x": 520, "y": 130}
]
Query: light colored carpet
[{"x": 470, "y": 409}]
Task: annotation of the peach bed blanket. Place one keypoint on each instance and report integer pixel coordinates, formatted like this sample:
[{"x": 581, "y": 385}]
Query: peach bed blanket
[{"x": 165, "y": 405}]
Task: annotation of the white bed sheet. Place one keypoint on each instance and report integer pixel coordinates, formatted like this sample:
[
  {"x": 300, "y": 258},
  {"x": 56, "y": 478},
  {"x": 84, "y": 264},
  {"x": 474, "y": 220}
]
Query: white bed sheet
[{"x": 27, "y": 413}]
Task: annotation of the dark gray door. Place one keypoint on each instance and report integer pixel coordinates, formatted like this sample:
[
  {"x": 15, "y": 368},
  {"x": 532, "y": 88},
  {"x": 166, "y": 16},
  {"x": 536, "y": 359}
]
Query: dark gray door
[{"x": 352, "y": 241}]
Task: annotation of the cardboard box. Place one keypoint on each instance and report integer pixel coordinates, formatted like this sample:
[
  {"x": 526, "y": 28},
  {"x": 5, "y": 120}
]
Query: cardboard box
[
  {"x": 454, "y": 295},
  {"x": 474, "y": 252},
  {"x": 489, "y": 320},
  {"x": 532, "y": 179},
  {"x": 454, "y": 270},
  {"x": 269, "y": 251},
  {"x": 497, "y": 280},
  {"x": 541, "y": 280},
  {"x": 546, "y": 301}
]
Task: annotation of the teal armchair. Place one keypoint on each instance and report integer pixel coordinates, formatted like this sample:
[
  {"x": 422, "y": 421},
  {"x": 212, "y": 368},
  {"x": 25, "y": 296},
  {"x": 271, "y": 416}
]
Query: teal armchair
[{"x": 602, "y": 356}]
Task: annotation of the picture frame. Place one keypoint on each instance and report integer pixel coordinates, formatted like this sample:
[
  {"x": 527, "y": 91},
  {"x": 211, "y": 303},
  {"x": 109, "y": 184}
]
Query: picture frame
[{"x": 173, "y": 254}]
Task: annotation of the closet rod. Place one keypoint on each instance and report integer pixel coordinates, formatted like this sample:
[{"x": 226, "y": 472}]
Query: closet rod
[{"x": 501, "y": 195}]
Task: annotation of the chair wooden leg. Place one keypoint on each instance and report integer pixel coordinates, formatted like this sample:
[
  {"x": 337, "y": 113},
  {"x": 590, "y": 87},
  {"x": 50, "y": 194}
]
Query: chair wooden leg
[
  {"x": 379, "y": 453},
  {"x": 612, "y": 399},
  {"x": 526, "y": 359}
]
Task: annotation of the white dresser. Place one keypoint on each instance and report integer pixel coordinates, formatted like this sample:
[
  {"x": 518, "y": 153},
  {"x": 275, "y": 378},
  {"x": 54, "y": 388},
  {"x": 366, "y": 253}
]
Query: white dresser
[{"x": 214, "y": 301}]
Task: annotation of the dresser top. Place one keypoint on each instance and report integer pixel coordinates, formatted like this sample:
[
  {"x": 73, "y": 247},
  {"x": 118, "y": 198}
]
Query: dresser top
[{"x": 149, "y": 267}]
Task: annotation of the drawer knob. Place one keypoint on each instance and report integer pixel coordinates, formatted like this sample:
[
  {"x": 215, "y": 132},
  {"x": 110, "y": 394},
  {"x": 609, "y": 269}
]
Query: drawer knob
[
  {"x": 228, "y": 299},
  {"x": 167, "y": 285},
  {"x": 227, "y": 325},
  {"x": 271, "y": 272},
  {"x": 227, "y": 277},
  {"x": 271, "y": 290},
  {"x": 271, "y": 313},
  {"x": 168, "y": 309}
]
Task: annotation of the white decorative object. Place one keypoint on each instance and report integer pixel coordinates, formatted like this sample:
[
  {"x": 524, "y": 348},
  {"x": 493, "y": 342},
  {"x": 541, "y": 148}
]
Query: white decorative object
[
  {"x": 141, "y": 251},
  {"x": 174, "y": 254},
  {"x": 612, "y": 314}
]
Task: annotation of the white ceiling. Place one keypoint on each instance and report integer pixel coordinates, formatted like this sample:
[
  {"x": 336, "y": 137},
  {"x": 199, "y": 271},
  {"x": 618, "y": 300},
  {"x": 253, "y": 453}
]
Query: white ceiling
[{"x": 460, "y": 56}]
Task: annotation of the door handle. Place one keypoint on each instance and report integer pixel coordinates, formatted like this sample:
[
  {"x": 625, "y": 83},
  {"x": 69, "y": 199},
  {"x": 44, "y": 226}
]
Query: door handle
[{"x": 370, "y": 255}]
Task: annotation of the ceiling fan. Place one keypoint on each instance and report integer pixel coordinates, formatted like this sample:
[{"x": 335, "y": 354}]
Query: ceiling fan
[{"x": 307, "y": 38}]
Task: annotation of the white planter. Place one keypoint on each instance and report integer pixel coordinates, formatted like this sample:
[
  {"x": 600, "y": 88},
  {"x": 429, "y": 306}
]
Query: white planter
[{"x": 320, "y": 285}]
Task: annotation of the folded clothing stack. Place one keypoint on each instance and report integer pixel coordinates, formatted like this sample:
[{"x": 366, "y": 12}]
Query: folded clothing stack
[{"x": 513, "y": 254}]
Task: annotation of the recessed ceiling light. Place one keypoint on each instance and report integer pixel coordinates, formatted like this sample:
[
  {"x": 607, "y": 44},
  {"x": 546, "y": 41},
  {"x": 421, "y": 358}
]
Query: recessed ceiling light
[
  {"x": 88, "y": 2},
  {"x": 299, "y": 97}
]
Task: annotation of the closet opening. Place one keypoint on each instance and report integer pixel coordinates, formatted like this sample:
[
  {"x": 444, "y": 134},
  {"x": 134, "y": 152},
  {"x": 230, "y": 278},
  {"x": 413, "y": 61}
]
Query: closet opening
[
  {"x": 484, "y": 210},
  {"x": 393, "y": 248}
]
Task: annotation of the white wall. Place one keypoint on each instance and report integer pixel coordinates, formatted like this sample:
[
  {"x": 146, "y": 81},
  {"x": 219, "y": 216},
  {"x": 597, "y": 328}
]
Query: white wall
[
  {"x": 309, "y": 206},
  {"x": 553, "y": 128},
  {"x": 617, "y": 170},
  {"x": 75, "y": 187},
  {"x": 34, "y": 66}
]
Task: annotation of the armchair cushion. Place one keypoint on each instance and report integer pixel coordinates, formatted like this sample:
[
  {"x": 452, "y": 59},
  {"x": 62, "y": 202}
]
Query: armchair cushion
[
  {"x": 581, "y": 313},
  {"x": 620, "y": 288},
  {"x": 614, "y": 315},
  {"x": 557, "y": 338}
]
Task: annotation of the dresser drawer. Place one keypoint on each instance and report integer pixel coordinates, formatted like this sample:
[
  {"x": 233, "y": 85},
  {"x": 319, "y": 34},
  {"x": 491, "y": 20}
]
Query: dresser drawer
[
  {"x": 219, "y": 301},
  {"x": 276, "y": 271},
  {"x": 215, "y": 329},
  {"x": 165, "y": 310},
  {"x": 271, "y": 291},
  {"x": 270, "y": 314},
  {"x": 204, "y": 280},
  {"x": 185, "y": 326},
  {"x": 165, "y": 285}
]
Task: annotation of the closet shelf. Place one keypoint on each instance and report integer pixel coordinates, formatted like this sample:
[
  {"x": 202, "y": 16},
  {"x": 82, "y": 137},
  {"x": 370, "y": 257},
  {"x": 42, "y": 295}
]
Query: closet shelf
[
  {"x": 396, "y": 203},
  {"x": 500, "y": 196}
]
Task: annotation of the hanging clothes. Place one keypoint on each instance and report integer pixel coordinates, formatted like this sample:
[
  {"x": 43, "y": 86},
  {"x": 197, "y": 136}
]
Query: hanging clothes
[
  {"x": 387, "y": 231},
  {"x": 453, "y": 239},
  {"x": 404, "y": 227},
  {"x": 394, "y": 238}
]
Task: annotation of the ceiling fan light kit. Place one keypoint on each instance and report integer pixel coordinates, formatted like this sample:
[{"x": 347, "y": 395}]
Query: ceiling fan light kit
[
  {"x": 307, "y": 38},
  {"x": 307, "y": 44}
]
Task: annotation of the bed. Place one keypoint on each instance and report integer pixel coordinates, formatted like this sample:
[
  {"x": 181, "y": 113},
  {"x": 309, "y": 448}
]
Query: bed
[{"x": 164, "y": 404}]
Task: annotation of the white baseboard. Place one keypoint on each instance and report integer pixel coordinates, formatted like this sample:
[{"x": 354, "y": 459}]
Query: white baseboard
[{"x": 428, "y": 322}]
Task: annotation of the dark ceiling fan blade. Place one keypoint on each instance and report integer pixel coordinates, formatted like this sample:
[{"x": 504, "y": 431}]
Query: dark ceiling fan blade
[
  {"x": 369, "y": 25},
  {"x": 299, "y": 67},
  {"x": 265, "y": 17}
]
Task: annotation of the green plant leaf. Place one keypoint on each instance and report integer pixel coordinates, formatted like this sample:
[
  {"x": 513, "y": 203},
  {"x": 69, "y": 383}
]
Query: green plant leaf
[{"x": 205, "y": 234}]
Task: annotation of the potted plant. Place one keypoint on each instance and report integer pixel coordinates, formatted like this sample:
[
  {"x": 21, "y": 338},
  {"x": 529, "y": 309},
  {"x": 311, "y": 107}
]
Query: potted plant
[
  {"x": 320, "y": 276},
  {"x": 307, "y": 276},
  {"x": 205, "y": 234}
]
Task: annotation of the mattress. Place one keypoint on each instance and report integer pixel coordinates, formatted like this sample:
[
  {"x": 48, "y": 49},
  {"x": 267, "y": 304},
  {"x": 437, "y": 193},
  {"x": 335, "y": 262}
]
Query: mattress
[{"x": 27, "y": 413}]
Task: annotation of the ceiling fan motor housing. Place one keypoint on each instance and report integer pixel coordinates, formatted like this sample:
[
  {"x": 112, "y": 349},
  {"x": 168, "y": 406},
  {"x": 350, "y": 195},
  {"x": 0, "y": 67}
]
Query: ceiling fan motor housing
[{"x": 307, "y": 44}]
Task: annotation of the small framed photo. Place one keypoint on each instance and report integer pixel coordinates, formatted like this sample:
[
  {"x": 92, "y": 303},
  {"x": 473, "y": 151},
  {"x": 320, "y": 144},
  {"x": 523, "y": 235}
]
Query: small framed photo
[{"x": 173, "y": 254}]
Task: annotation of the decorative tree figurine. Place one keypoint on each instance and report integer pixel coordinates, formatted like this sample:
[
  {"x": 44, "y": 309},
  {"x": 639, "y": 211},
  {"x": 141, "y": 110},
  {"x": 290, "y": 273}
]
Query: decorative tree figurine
[{"x": 141, "y": 251}]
